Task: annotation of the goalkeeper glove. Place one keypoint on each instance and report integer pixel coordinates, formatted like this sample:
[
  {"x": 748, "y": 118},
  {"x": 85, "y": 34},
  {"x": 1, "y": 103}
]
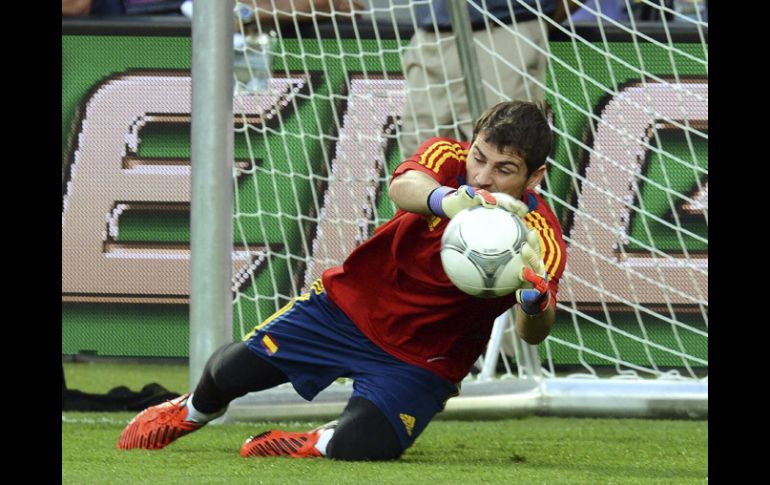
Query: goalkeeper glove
[
  {"x": 448, "y": 202},
  {"x": 533, "y": 300},
  {"x": 511, "y": 204}
]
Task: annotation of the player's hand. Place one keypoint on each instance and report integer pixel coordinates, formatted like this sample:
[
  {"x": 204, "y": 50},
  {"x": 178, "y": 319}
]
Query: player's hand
[
  {"x": 511, "y": 204},
  {"x": 534, "y": 296},
  {"x": 448, "y": 202}
]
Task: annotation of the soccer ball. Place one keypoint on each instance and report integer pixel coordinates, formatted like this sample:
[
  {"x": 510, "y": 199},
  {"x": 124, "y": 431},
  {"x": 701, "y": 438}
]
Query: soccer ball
[{"x": 480, "y": 251}]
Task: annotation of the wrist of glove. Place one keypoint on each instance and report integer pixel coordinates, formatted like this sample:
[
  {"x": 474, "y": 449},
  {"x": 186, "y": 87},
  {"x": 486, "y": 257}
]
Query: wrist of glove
[
  {"x": 533, "y": 300},
  {"x": 448, "y": 202}
]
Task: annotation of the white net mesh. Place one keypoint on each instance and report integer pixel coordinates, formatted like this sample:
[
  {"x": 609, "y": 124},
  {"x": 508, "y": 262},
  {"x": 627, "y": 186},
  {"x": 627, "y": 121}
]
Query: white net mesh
[{"x": 319, "y": 136}]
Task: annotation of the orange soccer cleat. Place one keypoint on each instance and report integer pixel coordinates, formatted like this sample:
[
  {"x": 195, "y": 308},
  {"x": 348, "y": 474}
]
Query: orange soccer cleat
[
  {"x": 158, "y": 426},
  {"x": 282, "y": 443}
]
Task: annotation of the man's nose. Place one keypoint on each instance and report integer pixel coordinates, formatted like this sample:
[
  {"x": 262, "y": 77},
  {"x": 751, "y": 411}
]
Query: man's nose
[{"x": 484, "y": 178}]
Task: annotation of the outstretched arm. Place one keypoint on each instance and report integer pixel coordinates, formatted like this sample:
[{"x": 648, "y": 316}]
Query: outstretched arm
[
  {"x": 416, "y": 192},
  {"x": 410, "y": 191}
]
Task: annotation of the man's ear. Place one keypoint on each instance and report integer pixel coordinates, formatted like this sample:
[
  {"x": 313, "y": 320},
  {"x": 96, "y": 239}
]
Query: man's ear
[{"x": 536, "y": 177}]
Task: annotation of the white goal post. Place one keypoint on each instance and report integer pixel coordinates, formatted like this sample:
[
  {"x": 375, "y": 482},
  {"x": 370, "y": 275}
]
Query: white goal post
[{"x": 316, "y": 139}]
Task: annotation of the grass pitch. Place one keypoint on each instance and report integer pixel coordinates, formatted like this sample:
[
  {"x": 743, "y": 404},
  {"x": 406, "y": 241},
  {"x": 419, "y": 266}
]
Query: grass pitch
[{"x": 529, "y": 450}]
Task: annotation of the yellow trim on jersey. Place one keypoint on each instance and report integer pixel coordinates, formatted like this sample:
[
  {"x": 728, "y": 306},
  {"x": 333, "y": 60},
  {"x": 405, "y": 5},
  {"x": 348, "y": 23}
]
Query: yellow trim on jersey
[
  {"x": 441, "y": 147},
  {"x": 435, "y": 155},
  {"x": 440, "y": 162},
  {"x": 429, "y": 156},
  {"x": 432, "y": 221},
  {"x": 536, "y": 224},
  {"x": 547, "y": 240},
  {"x": 424, "y": 158},
  {"x": 547, "y": 244},
  {"x": 555, "y": 255},
  {"x": 317, "y": 287}
]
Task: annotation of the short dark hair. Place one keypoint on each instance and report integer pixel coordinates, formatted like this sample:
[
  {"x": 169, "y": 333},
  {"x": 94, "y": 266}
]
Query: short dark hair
[{"x": 520, "y": 126}]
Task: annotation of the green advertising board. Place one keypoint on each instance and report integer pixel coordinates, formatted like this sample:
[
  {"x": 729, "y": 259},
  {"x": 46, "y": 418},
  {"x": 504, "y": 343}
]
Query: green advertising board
[{"x": 286, "y": 191}]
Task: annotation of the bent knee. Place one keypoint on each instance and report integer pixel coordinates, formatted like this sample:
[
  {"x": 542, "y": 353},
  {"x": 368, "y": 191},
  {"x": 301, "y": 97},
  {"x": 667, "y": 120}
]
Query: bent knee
[
  {"x": 364, "y": 433},
  {"x": 363, "y": 449}
]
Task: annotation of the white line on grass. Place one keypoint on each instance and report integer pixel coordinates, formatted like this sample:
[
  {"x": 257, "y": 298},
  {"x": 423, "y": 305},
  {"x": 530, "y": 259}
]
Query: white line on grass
[{"x": 99, "y": 420}]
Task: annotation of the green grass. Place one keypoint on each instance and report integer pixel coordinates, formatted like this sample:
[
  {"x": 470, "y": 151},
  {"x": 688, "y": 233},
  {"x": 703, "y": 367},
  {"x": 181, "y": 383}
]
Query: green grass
[{"x": 529, "y": 450}]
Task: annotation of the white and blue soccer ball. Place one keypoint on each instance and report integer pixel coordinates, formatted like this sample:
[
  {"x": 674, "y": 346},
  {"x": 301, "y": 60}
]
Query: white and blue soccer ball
[{"x": 480, "y": 251}]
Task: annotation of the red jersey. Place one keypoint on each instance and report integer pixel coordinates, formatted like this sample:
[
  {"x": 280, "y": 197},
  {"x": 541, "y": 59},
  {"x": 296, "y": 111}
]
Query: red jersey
[{"x": 394, "y": 288}]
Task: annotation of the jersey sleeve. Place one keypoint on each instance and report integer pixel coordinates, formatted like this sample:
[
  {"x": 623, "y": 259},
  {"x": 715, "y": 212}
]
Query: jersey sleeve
[
  {"x": 441, "y": 158},
  {"x": 553, "y": 251}
]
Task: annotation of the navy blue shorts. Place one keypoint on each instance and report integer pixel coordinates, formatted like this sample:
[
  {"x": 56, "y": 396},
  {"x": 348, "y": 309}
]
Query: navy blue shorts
[{"x": 313, "y": 342}]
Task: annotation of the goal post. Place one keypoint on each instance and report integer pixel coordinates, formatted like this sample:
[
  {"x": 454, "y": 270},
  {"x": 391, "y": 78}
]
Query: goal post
[
  {"x": 211, "y": 192},
  {"x": 317, "y": 138}
]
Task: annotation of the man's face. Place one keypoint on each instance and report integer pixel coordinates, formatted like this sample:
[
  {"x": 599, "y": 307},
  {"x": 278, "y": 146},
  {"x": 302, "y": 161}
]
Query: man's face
[{"x": 495, "y": 171}]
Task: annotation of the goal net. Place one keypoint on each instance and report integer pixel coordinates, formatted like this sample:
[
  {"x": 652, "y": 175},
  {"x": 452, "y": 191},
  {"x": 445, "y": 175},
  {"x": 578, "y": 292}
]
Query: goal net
[{"x": 319, "y": 108}]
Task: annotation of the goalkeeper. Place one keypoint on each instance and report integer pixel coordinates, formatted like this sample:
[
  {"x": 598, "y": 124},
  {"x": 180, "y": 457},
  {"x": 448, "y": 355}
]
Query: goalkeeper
[{"x": 389, "y": 318}]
